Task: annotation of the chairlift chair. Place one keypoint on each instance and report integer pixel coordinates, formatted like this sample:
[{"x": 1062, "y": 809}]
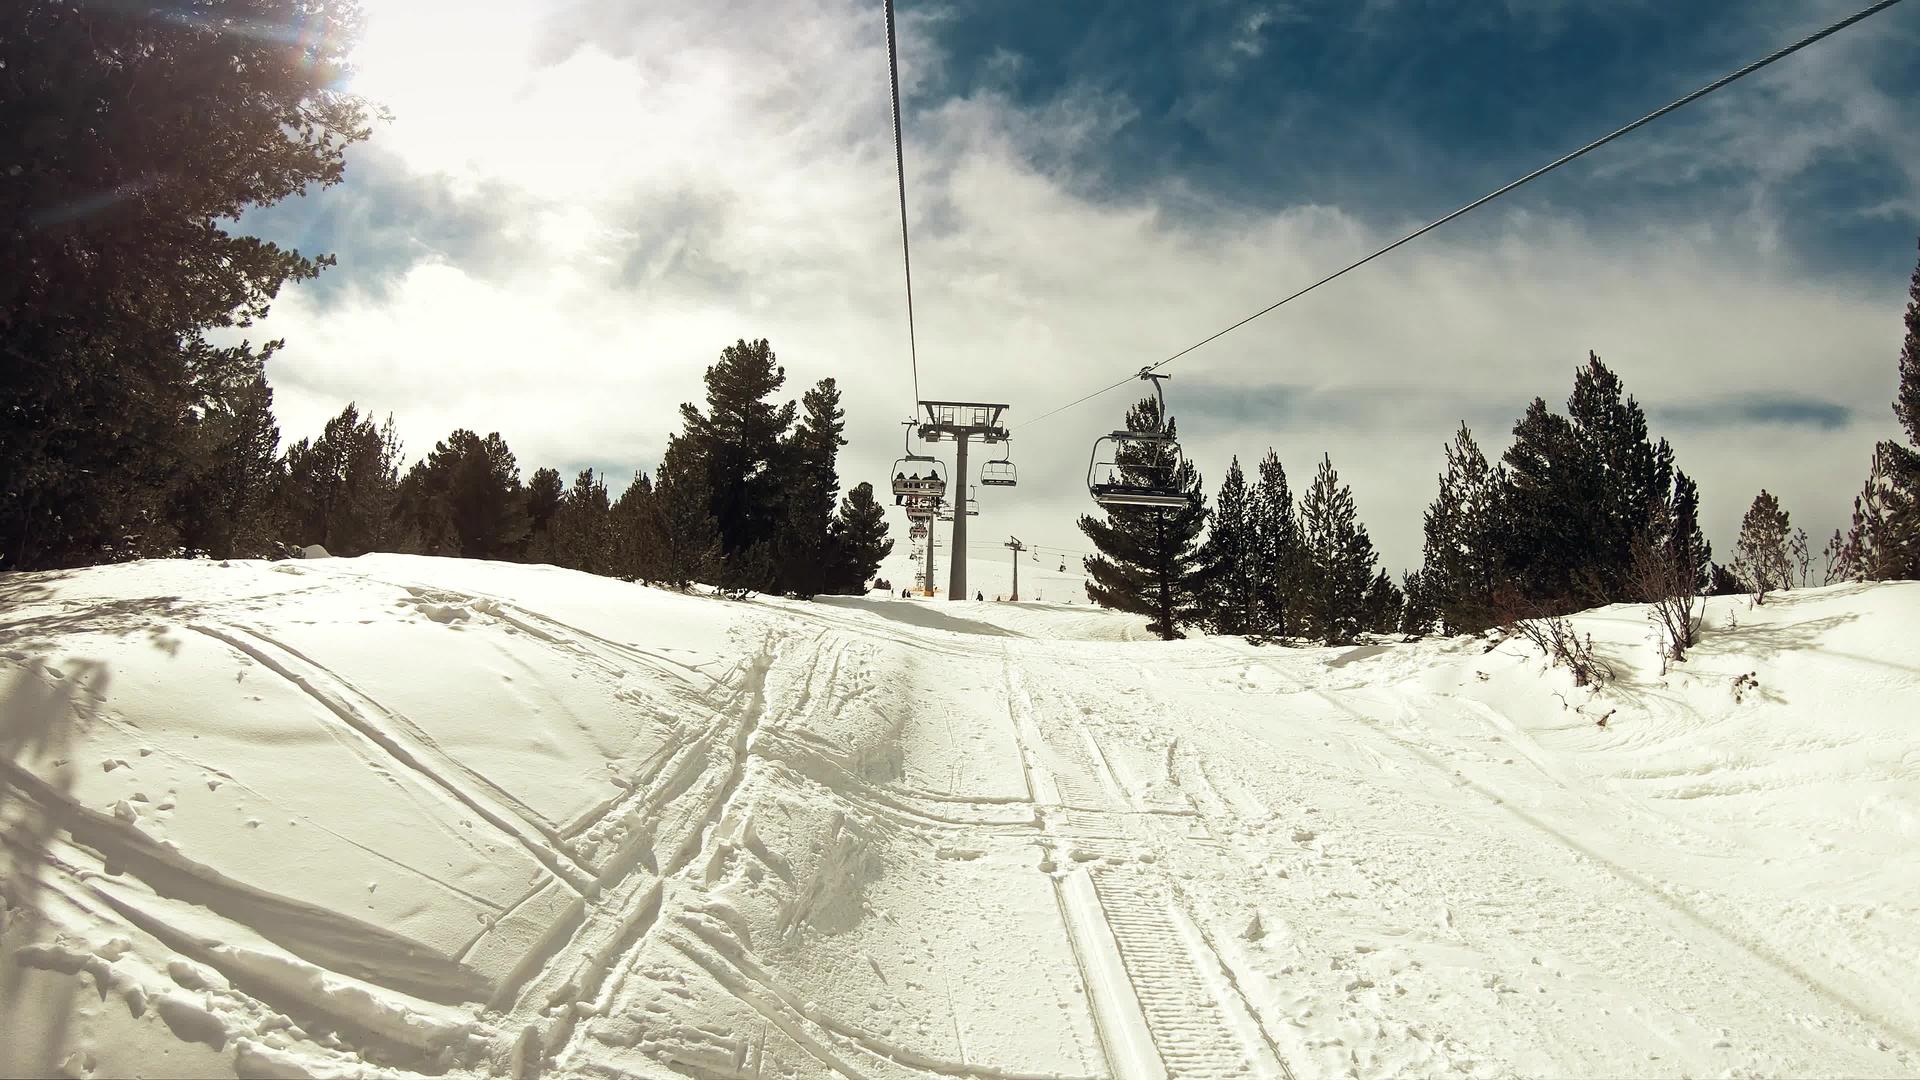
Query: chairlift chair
[
  {"x": 908, "y": 483},
  {"x": 999, "y": 472},
  {"x": 920, "y": 508},
  {"x": 918, "y": 531},
  {"x": 1138, "y": 468}
]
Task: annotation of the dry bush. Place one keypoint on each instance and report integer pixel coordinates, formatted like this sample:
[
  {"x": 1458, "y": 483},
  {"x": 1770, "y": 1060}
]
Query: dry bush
[
  {"x": 1554, "y": 636},
  {"x": 1671, "y": 589}
]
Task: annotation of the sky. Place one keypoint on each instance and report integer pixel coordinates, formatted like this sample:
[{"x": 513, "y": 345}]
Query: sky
[{"x": 574, "y": 207}]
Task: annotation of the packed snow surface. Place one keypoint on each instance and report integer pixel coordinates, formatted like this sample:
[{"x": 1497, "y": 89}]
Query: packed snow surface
[{"x": 390, "y": 815}]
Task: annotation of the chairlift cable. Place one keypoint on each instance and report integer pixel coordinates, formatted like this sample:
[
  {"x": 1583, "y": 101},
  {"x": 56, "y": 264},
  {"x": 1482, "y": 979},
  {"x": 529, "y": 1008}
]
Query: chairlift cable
[
  {"x": 1717, "y": 84},
  {"x": 900, "y": 170}
]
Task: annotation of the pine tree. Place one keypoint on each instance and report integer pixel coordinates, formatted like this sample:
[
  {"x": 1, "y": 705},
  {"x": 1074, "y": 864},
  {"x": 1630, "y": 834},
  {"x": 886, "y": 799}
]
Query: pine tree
[
  {"x": 635, "y": 531},
  {"x": 1884, "y": 543},
  {"x": 1230, "y": 560},
  {"x": 1760, "y": 554},
  {"x": 464, "y": 499},
  {"x": 1338, "y": 560},
  {"x": 1418, "y": 614},
  {"x": 1686, "y": 542},
  {"x": 805, "y": 554},
  {"x": 582, "y": 528},
  {"x": 860, "y": 541},
  {"x": 1543, "y": 515},
  {"x": 1385, "y": 604},
  {"x": 1584, "y": 492},
  {"x": 543, "y": 500},
  {"x": 1462, "y": 555},
  {"x": 1276, "y": 532},
  {"x": 738, "y": 444},
  {"x": 689, "y": 541},
  {"x": 131, "y": 141},
  {"x": 228, "y": 508},
  {"x": 485, "y": 501},
  {"x": 340, "y": 489},
  {"x": 1627, "y": 473},
  {"x": 1147, "y": 556}
]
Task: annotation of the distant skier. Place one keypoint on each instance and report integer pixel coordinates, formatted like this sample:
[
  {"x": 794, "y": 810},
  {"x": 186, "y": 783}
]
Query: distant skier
[{"x": 979, "y": 596}]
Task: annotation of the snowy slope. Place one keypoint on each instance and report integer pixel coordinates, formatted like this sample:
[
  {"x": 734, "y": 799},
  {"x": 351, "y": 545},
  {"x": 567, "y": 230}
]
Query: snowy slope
[{"x": 396, "y": 815}]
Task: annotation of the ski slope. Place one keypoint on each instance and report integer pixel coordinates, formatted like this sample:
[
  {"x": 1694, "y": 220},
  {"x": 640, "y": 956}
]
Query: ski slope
[{"x": 407, "y": 816}]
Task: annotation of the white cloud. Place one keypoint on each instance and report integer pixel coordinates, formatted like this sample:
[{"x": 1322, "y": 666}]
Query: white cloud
[{"x": 666, "y": 181}]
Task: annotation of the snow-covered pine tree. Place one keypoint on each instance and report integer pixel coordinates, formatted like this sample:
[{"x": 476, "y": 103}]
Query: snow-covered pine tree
[
  {"x": 1462, "y": 554},
  {"x": 859, "y": 541},
  {"x": 1230, "y": 560},
  {"x": 1760, "y": 556},
  {"x": 1884, "y": 542},
  {"x": 1337, "y": 563},
  {"x": 1147, "y": 556},
  {"x": 1276, "y": 532}
]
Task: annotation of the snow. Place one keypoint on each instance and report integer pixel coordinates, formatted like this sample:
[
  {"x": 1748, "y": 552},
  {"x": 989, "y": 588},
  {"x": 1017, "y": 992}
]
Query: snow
[{"x": 405, "y": 816}]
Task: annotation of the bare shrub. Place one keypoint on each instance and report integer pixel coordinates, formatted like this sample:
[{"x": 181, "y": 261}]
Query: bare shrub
[
  {"x": 1557, "y": 640},
  {"x": 1670, "y": 585},
  {"x": 1554, "y": 636}
]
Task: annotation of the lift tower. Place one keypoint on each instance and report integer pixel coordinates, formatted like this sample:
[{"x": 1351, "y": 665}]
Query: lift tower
[{"x": 961, "y": 421}]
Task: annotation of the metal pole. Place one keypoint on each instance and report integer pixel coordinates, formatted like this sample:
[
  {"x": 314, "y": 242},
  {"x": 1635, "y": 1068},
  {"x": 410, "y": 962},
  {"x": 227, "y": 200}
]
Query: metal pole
[
  {"x": 928, "y": 568},
  {"x": 957, "y": 576},
  {"x": 1017, "y": 549}
]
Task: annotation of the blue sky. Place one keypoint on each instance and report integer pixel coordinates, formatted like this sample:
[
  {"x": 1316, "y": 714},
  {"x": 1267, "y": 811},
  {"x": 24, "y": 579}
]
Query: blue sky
[
  {"x": 1394, "y": 110},
  {"x": 575, "y": 207}
]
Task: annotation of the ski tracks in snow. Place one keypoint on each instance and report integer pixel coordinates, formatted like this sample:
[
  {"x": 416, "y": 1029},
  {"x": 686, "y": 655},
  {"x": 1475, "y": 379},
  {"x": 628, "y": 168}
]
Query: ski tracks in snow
[{"x": 1148, "y": 968}]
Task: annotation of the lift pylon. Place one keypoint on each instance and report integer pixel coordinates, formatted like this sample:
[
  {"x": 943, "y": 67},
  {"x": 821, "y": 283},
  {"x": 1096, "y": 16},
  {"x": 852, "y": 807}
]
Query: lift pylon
[{"x": 961, "y": 421}]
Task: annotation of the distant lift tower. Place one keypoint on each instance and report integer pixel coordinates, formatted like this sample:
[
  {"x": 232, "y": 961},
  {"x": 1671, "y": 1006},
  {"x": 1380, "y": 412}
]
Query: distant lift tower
[
  {"x": 961, "y": 421},
  {"x": 1014, "y": 545}
]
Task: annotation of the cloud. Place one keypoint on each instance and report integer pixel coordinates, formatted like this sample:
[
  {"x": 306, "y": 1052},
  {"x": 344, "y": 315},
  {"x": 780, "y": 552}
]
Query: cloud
[
  {"x": 1747, "y": 412},
  {"x": 569, "y": 218}
]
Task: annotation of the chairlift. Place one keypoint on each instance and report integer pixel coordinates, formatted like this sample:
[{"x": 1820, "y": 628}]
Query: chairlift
[
  {"x": 908, "y": 483},
  {"x": 920, "y": 508},
  {"x": 973, "y": 504},
  {"x": 918, "y": 531},
  {"x": 1139, "y": 468},
  {"x": 999, "y": 472}
]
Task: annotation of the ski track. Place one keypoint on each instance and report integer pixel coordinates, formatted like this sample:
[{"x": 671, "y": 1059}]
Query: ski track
[{"x": 1166, "y": 993}]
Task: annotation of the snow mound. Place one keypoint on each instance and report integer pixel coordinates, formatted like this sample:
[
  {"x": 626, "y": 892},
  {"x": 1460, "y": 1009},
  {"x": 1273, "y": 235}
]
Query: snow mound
[{"x": 405, "y": 816}]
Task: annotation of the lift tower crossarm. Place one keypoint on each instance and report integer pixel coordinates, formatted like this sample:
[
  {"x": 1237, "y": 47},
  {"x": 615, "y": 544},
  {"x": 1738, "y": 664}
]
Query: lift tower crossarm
[{"x": 961, "y": 421}]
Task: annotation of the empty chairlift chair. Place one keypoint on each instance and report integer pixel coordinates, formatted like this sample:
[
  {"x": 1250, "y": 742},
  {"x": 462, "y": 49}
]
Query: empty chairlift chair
[
  {"x": 999, "y": 472},
  {"x": 1138, "y": 468}
]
